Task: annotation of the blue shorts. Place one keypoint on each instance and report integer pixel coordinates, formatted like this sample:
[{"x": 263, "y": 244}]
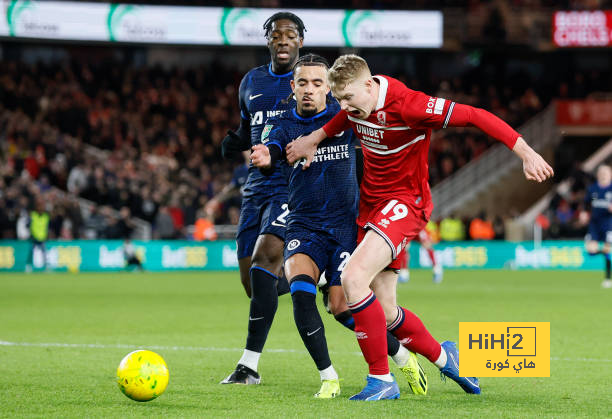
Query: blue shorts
[
  {"x": 329, "y": 253},
  {"x": 599, "y": 231},
  {"x": 260, "y": 216}
]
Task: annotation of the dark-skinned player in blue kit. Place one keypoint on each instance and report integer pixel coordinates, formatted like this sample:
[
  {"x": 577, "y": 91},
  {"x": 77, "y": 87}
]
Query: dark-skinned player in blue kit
[
  {"x": 261, "y": 230},
  {"x": 321, "y": 231}
]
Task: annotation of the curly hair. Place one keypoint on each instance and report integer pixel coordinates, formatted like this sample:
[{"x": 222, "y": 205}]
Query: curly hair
[{"x": 284, "y": 15}]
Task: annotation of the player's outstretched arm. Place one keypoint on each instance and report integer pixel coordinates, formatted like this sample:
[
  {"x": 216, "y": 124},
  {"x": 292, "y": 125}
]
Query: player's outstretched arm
[
  {"x": 304, "y": 148},
  {"x": 260, "y": 157},
  {"x": 534, "y": 165}
]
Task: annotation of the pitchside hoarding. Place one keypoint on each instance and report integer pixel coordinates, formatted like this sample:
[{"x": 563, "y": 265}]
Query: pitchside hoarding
[
  {"x": 99, "y": 255},
  {"x": 108, "y": 255},
  {"x": 214, "y": 25},
  {"x": 550, "y": 254}
]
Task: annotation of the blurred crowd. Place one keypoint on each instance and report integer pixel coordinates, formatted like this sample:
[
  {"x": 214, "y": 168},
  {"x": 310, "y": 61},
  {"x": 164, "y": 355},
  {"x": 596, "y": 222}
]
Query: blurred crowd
[
  {"x": 568, "y": 214},
  {"x": 454, "y": 147},
  {"x": 141, "y": 142},
  {"x": 31, "y": 168},
  {"x": 513, "y": 97},
  {"x": 480, "y": 227},
  {"x": 144, "y": 141}
]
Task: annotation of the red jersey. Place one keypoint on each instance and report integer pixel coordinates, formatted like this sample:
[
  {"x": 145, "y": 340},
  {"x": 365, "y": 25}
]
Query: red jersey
[{"x": 395, "y": 140}]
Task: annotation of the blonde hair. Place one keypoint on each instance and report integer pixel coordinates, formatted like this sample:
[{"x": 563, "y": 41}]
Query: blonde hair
[{"x": 346, "y": 69}]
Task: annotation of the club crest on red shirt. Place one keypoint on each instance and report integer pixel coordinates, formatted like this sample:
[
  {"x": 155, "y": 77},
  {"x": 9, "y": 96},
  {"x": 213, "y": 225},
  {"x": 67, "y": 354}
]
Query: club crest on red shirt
[{"x": 382, "y": 117}]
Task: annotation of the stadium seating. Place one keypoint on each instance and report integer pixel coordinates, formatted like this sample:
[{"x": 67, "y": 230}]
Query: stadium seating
[{"x": 146, "y": 139}]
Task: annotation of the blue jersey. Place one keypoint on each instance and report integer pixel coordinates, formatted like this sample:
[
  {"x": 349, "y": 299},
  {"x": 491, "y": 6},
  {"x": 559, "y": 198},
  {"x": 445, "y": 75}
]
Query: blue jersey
[
  {"x": 263, "y": 95},
  {"x": 240, "y": 175},
  {"x": 600, "y": 199},
  {"x": 326, "y": 195}
]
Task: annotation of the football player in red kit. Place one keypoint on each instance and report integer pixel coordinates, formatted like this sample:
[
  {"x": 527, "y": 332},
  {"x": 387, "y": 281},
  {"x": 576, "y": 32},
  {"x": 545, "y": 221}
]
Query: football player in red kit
[
  {"x": 394, "y": 125},
  {"x": 426, "y": 241}
]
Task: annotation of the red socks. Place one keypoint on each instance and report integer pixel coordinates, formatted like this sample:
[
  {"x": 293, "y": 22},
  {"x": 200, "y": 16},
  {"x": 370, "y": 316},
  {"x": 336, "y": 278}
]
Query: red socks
[
  {"x": 371, "y": 333},
  {"x": 432, "y": 256},
  {"x": 411, "y": 333}
]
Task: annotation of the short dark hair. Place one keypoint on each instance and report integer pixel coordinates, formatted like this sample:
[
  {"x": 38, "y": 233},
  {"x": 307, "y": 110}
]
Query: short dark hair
[
  {"x": 311, "y": 60},
  {"x": 284, "y": 15}
]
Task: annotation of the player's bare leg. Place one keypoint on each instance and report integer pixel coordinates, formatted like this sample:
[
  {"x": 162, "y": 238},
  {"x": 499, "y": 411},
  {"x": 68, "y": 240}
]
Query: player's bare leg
[
  {"x": 400, "y": 355},
  {"x": 437, "y": 266},
  {"x": 404, "y": 257},
  {"x": 302, "y": 271},
  {"x": 593, "y": 248},
  {"x": 607, "y": 282},
  {"x": 404, "y": 324},
  {"x": 369, "y": 258},
  {"x": 337, "y": 301},
  {"x": 412, "y": 333},
  {"x": 265, "y": 269},
  {"x": 244, "y": 265},
  {"x": 385, "y": 286},
  {"x": 372, "y": 255}
]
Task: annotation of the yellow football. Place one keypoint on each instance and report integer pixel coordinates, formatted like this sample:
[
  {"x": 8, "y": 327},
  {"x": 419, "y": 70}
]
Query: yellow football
[{"x": 142, "y": 375}]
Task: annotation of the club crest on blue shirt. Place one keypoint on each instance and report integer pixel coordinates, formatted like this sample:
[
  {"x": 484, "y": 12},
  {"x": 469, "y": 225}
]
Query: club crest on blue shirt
[{"x": 266, "y": 132}]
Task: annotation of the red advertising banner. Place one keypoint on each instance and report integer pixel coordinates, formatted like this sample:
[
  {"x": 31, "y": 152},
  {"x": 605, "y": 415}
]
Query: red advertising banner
[
  {"x": 582, "y": 28},
  {"x": 584, "y": 112}
]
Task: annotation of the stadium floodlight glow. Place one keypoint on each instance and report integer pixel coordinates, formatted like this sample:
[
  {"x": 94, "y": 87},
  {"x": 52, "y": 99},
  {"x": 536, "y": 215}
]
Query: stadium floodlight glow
[{"x": 184, "y": 25}]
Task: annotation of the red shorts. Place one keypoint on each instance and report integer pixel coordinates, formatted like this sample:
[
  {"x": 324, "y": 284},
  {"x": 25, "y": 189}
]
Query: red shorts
[{"x": 397, "y": 221}]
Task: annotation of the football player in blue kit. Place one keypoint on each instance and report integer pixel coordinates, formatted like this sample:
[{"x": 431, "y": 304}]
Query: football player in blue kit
[
  {"x": 261, "y": 230},
  {"x": 599, "y": 199},
  {"x": 321, "y": 228}
]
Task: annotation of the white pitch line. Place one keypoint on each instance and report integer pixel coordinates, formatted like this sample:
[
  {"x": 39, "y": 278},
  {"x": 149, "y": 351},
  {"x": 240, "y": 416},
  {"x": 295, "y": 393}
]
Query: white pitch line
[
  {"x": 210, "y": 349},
  {"x": 157, "y": 347}
]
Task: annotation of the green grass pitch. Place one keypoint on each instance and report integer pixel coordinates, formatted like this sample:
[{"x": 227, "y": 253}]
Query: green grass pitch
[{"x": 63, "y": 335}]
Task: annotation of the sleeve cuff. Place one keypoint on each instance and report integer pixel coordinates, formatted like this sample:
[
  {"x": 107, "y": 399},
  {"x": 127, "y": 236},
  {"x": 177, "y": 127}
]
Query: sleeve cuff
[{"x": 448, "y": 114}]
